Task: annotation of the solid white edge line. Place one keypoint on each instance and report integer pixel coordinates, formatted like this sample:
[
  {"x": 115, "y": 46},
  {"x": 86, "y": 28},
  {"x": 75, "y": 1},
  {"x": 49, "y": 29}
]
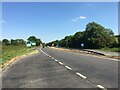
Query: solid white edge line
[
  {"x": 81, "y": 75},
  {"x": 68, "y": 68},
  {"x": 60, "y": 63},
  {"x": 100, "y": 86}
]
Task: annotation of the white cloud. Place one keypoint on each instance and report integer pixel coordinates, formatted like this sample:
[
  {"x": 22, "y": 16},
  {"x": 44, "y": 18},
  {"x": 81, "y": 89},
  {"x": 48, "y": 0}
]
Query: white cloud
[
  {"x": 82, "y": 17},
  {"x": 74, "y": 20},
  {"x": 77, "y": 18}
]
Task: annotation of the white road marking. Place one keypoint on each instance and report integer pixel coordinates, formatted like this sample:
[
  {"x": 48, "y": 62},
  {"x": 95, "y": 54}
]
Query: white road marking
[
  {"x": 78, "y": 72},
  {"x": 56, "y": 60},
  {"x": 100, "y": 86},
  {"x": 68, "y": 68},
  {"x": 49, "y": 56},
  {"x": 45, "y": 53},
  {"x": 52, "y": 58},
  {"x": 81, "y": 75},
  {"x": 60, "y": 63}
]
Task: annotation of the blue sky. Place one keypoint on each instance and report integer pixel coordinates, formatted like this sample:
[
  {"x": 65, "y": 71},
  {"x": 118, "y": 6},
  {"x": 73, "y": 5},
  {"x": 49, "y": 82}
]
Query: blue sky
[{"x": 50, "y": 21}]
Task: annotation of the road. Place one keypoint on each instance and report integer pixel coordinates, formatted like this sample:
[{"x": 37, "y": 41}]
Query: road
[
  {"x": 41, "y": 71},
  {"x": 97, "y": 70}
]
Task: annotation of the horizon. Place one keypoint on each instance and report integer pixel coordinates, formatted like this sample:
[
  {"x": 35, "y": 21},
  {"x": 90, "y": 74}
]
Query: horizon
[{"x": 51, "y": 21}]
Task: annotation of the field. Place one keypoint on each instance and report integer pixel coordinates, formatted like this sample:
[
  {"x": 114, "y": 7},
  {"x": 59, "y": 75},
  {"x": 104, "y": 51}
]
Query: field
[{"x": 9, "y": 52}]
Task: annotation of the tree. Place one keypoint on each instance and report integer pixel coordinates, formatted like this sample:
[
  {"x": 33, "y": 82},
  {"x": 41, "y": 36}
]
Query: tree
[
  {"x": 96, "y": 36},
  {"x": 62, "y": 43},
  {"x": 0, "y": 42},
  {"x": 5, "y": 42},
  {"x": 119, "y": 40},
  {"x": 32, "y": 39},
  {"x": 35, "y": 40},
  {"x": 111, "y": 39},
  {"x": 56, "y": 42},
  {"x": 14, "y": 42},
  {"x": 78, "y": 39},
  {"x": 48, "y": 44},
  {"x": 66, "y": 42},
  {"x": 69, "y": 41},
  {"x": 38, "y": 42},
  {"x": 20, "y": 41}
]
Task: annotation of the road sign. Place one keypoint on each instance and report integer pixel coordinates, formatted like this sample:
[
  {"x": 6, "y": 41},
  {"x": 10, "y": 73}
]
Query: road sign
[{"x": 82, "y": 44}]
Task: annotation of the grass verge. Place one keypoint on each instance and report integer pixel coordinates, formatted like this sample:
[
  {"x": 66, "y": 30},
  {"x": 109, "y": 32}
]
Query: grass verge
[
  {"x": 110, "y": 49},
  {"x": 10, "y": 52}
]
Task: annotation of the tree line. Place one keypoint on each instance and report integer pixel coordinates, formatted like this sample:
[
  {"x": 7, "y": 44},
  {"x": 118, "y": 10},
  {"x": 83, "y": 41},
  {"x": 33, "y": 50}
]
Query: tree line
[
  {"x": 21, "y": 41},
  {"x": 95, "y": 36}
]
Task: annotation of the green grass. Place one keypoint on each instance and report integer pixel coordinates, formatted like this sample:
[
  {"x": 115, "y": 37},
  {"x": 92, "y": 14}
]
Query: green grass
[
  {"x": 9, "y": 52},
  {"x": 111, "y": 49}
]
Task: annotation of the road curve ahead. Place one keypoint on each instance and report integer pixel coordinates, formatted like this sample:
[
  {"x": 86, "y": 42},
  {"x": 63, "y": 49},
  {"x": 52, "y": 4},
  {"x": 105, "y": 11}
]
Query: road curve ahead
[
  {"x": 42, "y": 71},
  {"x": 99, "y": 71}
]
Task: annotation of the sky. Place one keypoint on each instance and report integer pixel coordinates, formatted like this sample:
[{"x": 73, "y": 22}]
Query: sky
[{"x": 54, "y": 20}]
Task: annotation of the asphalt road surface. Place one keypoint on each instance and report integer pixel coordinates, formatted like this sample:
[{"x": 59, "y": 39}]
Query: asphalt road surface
[
  {"x": 97, "y": 70},
  {"x": 61, "y": 69}
]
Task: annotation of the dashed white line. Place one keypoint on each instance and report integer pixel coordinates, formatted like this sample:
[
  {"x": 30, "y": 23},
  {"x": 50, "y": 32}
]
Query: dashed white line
[
  {"x": 100, "y": 86},
  {"x": 46, "y": 54},
  {"x": 71, "y": 69},
  {"x": 68, "y": 68},
  {"x": 56, "y": 60},
  {"x": 60, "y": 63},
  {"x": 49, "y": 56},
  {"x": 52, "y": 58},
  {"x": 43, "y": 52},
  {"x": 81, "y": 75}
]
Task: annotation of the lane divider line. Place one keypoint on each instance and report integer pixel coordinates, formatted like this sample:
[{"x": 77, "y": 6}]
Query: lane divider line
[
  {"x": 100, "y": 86},
  {"x": 44, "y": 52},
  {"x": 52, "y": 57},
  {"x": 60, "y": 63},
  {"x": 68, "y": 68},
  {"x": 49, "y": 56},
  {"x": 81, "y": 75},
  {"x": 56, "y": 60}
]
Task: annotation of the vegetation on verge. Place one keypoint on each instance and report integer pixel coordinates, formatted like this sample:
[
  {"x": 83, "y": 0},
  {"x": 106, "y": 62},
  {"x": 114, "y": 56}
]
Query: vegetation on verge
[
  {"x": 12, "y": 48},
  {"x": 110, "y": 49},
  {"x": 95, "y": 36},
  {"x": 9, "y": 52},
  {"x": 35, "y": 40}
]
